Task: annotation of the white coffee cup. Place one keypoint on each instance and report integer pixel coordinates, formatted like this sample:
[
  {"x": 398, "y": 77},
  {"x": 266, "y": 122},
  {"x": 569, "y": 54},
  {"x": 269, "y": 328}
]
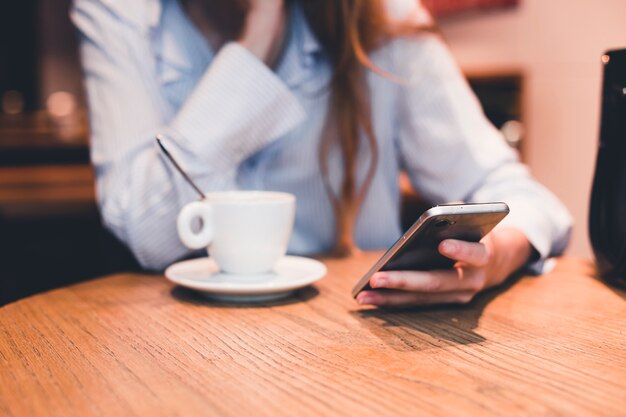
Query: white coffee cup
[{"x": 245, "y": 232}]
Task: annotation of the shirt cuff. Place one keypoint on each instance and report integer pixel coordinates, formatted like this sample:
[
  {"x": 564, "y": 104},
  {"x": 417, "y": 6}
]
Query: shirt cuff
[
  {"x": 238, "y": 107},
  {"x": 548, "y": 234}
]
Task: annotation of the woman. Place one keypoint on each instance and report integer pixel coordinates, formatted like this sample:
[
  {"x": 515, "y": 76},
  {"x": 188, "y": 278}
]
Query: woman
[{"x": 328, "y": 100}]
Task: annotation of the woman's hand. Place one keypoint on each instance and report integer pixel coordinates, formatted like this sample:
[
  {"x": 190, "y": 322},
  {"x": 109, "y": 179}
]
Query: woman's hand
[
  {"x": 264, "y": 29},
  {"x": 479, "y": 266}
]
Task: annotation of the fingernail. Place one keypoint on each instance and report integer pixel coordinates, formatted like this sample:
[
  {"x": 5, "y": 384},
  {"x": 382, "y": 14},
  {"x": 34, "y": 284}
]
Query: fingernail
[
  {"x": 379, "y": 281},
  {"x": 366, "y": 298},
  {"x": 363, "y": 299},
  {"x": 449, "y": 246}
]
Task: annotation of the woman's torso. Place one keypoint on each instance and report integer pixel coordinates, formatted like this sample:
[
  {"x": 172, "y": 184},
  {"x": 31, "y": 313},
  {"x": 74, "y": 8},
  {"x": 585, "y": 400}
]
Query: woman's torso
[{"x": 291, "y": 163}]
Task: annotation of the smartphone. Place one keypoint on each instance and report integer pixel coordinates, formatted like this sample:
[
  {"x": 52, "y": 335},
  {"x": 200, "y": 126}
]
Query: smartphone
[{"x": 417, "y": 249}]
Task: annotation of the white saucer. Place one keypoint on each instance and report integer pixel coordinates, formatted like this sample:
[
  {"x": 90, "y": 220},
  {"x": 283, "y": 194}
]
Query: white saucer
[{"x": 203, "y": 274}]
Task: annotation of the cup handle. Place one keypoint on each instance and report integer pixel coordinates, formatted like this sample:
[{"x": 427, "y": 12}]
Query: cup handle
[{"x": 201, "y": 238}]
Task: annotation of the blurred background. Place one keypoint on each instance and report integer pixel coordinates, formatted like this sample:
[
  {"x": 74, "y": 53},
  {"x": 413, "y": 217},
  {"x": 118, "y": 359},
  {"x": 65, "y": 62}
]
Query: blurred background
[
  {"x": 50, "y": 231},
  {"x": 534, "y": 64}
]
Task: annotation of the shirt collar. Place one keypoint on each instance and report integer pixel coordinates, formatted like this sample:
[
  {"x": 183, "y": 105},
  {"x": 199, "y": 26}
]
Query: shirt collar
[
  {"x": 302, "y": 51},
  {"x": 153, "y": 9},
  {"x": 309, "y": 45},
  {"x": 298, "y": 60}
]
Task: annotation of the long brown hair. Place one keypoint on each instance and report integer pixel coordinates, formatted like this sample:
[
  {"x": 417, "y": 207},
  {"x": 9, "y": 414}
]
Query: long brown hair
[{"x": 347, "y": 30}]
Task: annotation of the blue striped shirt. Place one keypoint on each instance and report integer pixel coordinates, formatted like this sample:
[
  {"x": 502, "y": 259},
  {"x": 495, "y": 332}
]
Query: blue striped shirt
[{"x": 233, "y": 123}]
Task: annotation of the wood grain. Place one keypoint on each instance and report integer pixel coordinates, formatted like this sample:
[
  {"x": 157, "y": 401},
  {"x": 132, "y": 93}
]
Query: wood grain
[{"x": 134, "y": 345}]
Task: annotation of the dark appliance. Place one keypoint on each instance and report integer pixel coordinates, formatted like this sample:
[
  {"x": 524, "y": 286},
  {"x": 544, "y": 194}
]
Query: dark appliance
[{"x": 607, "y": 215}]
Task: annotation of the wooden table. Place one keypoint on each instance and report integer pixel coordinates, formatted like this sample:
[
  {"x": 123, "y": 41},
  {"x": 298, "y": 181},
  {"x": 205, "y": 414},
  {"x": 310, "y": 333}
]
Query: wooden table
[{"x": 134, "y": 345}]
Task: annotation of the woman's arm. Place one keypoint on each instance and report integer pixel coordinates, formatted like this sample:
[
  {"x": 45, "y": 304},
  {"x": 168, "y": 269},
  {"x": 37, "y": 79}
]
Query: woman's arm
[
  {"x": 453, "y": 153},
  {"x": 237, "y": 107}
]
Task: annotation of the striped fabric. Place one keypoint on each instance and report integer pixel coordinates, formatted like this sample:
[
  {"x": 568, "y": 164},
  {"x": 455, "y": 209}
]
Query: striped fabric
[{"x": 233, "y": 123}]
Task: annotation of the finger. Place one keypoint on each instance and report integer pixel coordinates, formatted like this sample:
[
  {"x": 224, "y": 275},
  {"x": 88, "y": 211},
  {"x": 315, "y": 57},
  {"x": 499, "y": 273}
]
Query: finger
[
  {"x": 429, "y": 281},
  {"x": 406, "y": 298},
  {"x": 470, "y": 253}
]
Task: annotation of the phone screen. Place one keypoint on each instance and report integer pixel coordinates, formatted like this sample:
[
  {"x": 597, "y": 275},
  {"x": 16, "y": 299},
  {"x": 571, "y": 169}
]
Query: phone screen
[{"x": 420, "y": 252}]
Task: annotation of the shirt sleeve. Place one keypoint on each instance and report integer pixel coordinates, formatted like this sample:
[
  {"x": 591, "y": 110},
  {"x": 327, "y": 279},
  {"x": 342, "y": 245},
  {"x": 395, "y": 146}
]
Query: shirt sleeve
[
  {"x": 453, "y": 153},
  {"x": 237, "y": 107}
]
